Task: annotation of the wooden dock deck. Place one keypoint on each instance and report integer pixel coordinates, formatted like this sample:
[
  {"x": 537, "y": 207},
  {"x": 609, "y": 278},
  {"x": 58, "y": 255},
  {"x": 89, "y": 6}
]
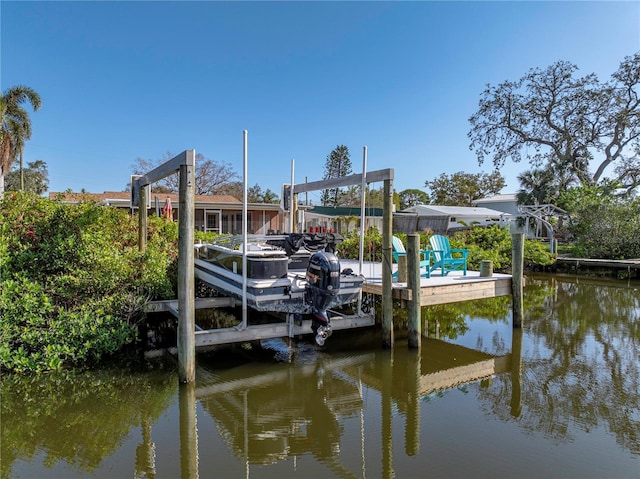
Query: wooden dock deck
[{"x": 437, "y": 289}]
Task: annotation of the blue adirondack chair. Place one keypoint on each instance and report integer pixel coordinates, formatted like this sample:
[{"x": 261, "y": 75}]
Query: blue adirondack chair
[
  {"x": 443, "y": 258},
  {"x": 425, "y": 257}
]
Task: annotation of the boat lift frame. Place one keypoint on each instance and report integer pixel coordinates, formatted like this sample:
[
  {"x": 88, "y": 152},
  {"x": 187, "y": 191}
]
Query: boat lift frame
[
  {"x": 184, "y": 164},
  {"x": 365, "y": 178}
]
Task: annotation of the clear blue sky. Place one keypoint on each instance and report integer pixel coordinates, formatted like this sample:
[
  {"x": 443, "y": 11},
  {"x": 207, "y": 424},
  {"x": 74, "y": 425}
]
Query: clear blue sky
[{"x": 121, "y": 80}]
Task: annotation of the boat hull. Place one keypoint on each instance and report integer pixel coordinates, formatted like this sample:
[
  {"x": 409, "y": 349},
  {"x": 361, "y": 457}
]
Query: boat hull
[{"x": 282, "y": 294}]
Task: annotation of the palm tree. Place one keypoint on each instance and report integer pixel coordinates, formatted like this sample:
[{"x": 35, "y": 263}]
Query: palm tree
[
  {"x": 15, "y": 125},
  {"x": 534, "y": 187}
]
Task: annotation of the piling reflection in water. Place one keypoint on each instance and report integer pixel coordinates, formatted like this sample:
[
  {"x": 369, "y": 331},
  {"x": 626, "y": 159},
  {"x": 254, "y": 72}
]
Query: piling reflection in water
[
  {"x": 298, "y": 408},
  {"x": 188, "y": 431},
  {"x": 290, "y": 411}
]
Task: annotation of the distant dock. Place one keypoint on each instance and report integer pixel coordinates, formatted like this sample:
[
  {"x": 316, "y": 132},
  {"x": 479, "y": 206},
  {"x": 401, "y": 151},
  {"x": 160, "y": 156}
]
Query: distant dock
[{"x": 631, "y": 266}]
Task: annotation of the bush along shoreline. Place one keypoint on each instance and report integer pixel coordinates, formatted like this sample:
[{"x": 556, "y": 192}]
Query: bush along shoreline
[
  {"x": 483, "y": 242},
  {"x": 73, "y": 281}
]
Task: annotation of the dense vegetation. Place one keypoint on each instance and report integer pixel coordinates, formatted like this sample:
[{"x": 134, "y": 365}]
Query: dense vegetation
[
  {"x": 73, "y": 280},
  {"x": 602, "y": 224},
  {"x": 484, "y": 243}
]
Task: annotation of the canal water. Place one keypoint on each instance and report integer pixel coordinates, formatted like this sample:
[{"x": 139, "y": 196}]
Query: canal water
[{"x": 558, "y": 399}]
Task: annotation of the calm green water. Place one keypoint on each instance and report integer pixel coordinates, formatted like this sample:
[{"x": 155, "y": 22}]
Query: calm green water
[{"x": 561, "y": 398}]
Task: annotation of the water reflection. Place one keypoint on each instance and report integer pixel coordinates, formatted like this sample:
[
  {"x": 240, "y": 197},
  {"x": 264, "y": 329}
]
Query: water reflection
[
  {"x": 188, "y": 431},
  {"x": 583, "y": 367},
  {"x": 291, "y": 410},
  {"x": 300, "y": 408},
  {"x": 79, "y": 418},
  {"x": 566, "y": 388}
]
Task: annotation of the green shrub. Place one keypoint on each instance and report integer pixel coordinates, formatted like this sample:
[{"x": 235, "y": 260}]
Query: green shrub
[
  {"x": 484, "y": 243},
  {"x": 350, "y": 246},
  {"x": 602, "y": 224},
  {"x": 73, "y": 281}
]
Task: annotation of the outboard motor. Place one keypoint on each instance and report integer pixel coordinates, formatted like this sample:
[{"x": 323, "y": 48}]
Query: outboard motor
[{"x": 323, "y": 284}]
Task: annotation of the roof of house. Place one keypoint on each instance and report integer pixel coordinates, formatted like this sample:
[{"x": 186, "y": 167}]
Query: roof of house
[
  {"x": 505, "y": 198},
  {"x": 344, "y": 211},
  {"x": 435, "y": 210},
  {"x": 109, "y": 196}
]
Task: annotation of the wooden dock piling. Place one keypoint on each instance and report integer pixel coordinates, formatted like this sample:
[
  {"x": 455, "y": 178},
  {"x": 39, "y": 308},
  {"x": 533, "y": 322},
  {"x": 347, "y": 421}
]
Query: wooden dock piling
[
  {"x": 517, "y": 272},
  {"x": 387, "y": 285},
  {"x": 186, "y": 277},
  {"x": 413, "y": 283}
]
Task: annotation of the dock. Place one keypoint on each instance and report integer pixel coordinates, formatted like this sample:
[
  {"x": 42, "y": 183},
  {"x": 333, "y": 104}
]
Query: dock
[
  {"x": 455, "y": 289},
  {"x": 452, "y": 288},
  {"x": 631, "y": 266},
  {"x": 437, "y": 289}
]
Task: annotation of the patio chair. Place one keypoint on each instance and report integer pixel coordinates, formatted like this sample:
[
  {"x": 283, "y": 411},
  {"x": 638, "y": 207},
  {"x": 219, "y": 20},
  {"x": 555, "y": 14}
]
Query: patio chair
[
  {"x": 443, "y": 257},
  {"x": 398, "y": 250}
]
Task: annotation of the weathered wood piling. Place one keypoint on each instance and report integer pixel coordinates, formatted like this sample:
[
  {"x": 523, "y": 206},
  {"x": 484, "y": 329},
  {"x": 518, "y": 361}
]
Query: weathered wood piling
[{"x": 413, "y": 283}]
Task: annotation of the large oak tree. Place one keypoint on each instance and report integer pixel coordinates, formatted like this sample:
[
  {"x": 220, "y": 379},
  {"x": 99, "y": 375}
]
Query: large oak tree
[
  {"x": 413, "y": 197},
  {"x": 552, "y": 116}
]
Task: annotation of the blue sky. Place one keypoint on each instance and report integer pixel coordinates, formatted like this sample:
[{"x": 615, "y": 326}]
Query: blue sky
[{"x": 122, "y": 80}]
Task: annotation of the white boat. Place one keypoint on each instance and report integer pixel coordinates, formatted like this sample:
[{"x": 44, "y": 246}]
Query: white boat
[{"x": 293, "y": 273}]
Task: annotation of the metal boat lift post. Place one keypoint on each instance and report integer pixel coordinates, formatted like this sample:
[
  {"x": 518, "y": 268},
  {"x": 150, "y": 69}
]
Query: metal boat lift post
[{"x": 184, "y": 164}]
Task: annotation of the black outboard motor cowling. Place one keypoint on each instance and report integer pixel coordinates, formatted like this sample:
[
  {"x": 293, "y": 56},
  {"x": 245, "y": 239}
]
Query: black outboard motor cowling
[{"x": 323, "y": 285}]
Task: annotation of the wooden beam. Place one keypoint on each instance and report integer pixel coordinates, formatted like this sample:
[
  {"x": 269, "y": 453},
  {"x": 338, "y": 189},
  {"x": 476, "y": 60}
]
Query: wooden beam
[
  {"x": 168, "y": 168},
  {"x": 164, "y": 306},
  {"x": 449, "y": 293},
  {"x": 370, "y": 177},
  {"x": 274, "y": 330},
  {"x": 465, "y": 292}
]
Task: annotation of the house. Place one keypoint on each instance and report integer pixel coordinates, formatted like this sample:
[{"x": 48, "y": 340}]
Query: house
[
  {"x": 341, "y": 219},
  {"x": 215, "y": 213},
  {"x": 539, "y": 220},
  {"x": 507, "y": 203},
  {"x": 445, "y": 219}
]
